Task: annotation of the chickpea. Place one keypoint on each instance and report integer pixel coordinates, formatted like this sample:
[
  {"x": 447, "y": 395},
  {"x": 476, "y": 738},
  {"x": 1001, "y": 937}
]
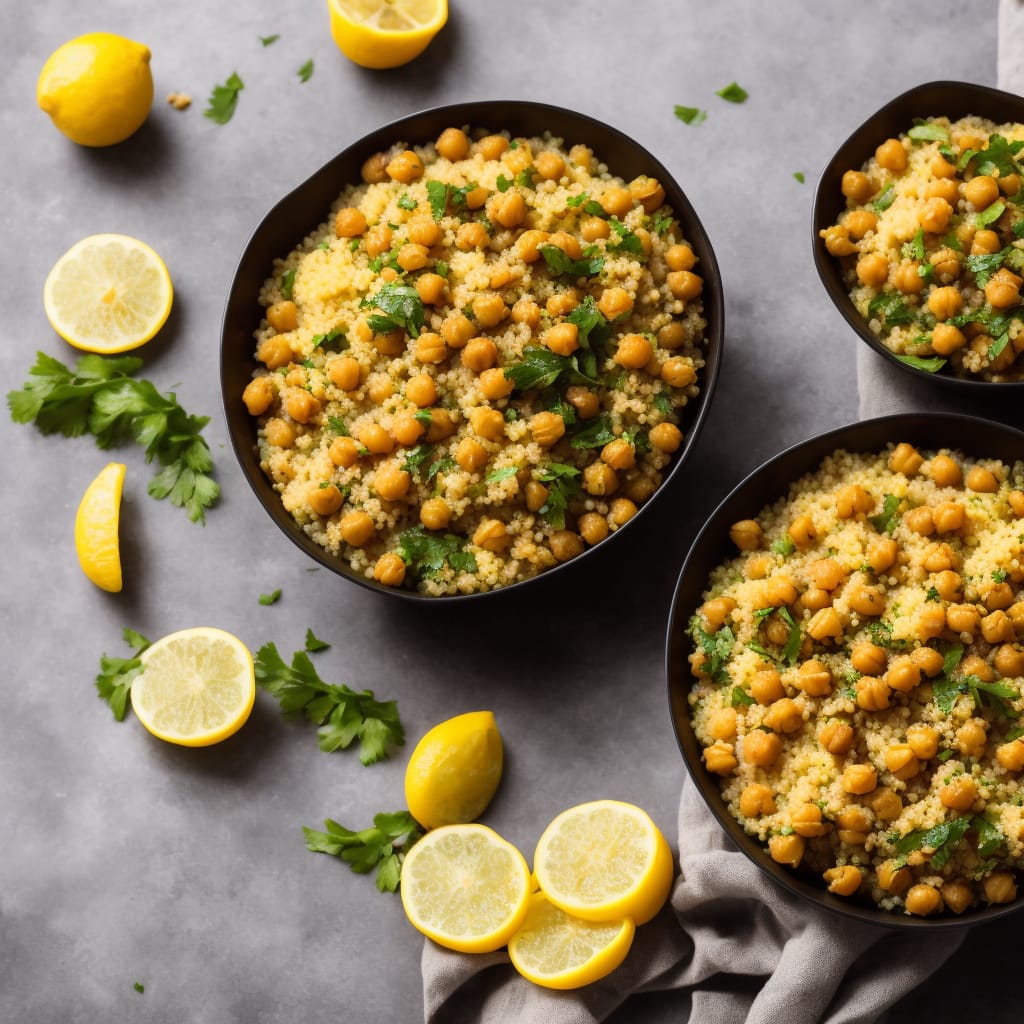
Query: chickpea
[
  {"x": 836, "y": 737},
  {"x": 356, "y": 528},
  {"x": 885, "y": 803},
  {"x": 489, "y": 310},
  {"x": 928, "y": 660},
  {"x": 562, "y": 303},
  {"x": 373, "y": 170},
  {"x": 413, "y": 257},
  {"x": 1011, "y": 755},
  {"x": 865, "y": 600},
  {"x": 948, "y": 516},
  {"x": 930, "y": 621},
  {"x": 639, "y": 488},
  {"x": 526, "y": 311},
  {"x": 867, "y": 658},
  {"x": 407, "y": 167},
  {"x": 389, "y": 569},
  {"x": 509, "y": 210},
  {"x": 843, "y": 881},
  {"x": 945, "y": 302},
  {"x": 593, "y": 527},
  {"x": 565, "y": 545},
  {"x": 431, "y": 289},
  {"x": 893, "y": 879},
  {"x": 390, "y": 344},
  {"x": 859, "y": 222},
  {"x": 857, "y": 186},
  {"x": 1009, "y": 659},
  {"x": 678, "y": 372},
  {"x": 780, "y": 591},
  {"x": 349, "y": 222},
  {"x": 935, "y": 215},
  {"x": 802, "y": 532},
  {"x": 479, "y": 354},
  {"x": 957, "y": 895},
  {"x": 593, "y": 228},
  {"x": 492, "y": 146},
  {"x": 430, "y": 348},
  {"x": 621, "y": 511},
  {"x": 998, "y": 596},
  {"x": 616, "y": 201},
  {"x": 859, "y": 779},
  {"x": 982, "y": 191},
  {"x": 421, "y": 390},
  {"x": 666, "y": 437},
  {"x": 971, "y": 738},
  {"x": 435, "y": 514},
  {"x": 746, "y": 534},
  {"x": 1003, "y": 289},
  {"x": 1015, "y": 613},
  {"x": 683, "y": 284},
  {"x": 824, "y": 625},
  {"x": 938, "y": 557},
  {"x": 343, "y": 452},
  {"x": 569, "y": 244},
  {"x": 944, "y": 189},
  {"x": 274, "y": 353},
  {"x": 837, "y": 240},
  {"x": 756, "y": 800},
  {"x": 997, "y": 628},
  {"x": 941, "y": 167},
  {"x": 671, "y": 335},
  {"x": 973, "y": 665},
  {"x": 891, "y": 155},
  {"x": 872, "y": 270},
  {"x": 1000, "y": 887},
  {"x": 786, "y": 849},
  {"x": 546, "y": 428},
  {"x": 901, "y": 761},
  {"x": 776, "y": 629},
  {"x": 923, "y": 900},
  {"x": 472, "y": 235},
  {"x": 528, "y": 245},
  {"x": 902, "y": 674},
  {"x": 536, "y": 495},
  {"x": 852, "y": 500},
  {"x": 283, "y": 316},
  {"x": 959, "y": 793},
  {"x": 872, "y": 693},
  {"x": 258, "y": 395},
  {"x": 985, "y": 243},
  {"x": 615, "y": 302},
  {"x": 407, "y": 430},
  {"x": 1009, "y": 184},
  {"x": 324, "y": 498},
  {"x": 719, "y": 758},
  {"x": 648, "y": 192},
  {"x": 487, "y": 423},
  {"x": 301, "y": 405},
  {"x": 476, "y": 198},
  {"x": 923, "y": 741},
  {"x": 441, "y": 426},
  {"x": 766, "y": 686},
  {"x": 761, "y": 748},
  {"x": 457, "y": 330},
  {"x": 599, "y": 479},
  {"x": 494, "y": 384},
  {"x": 814, "y": 678},
  {"x": 854, "y": 824},
  {"x": 806, "y": 821},
  {"x": 491, "y": 535},
  {"x": 784, "y": 716},
  {"x": 981, "y": 480},
  {"x": 391, "y": 482},
  {"x": 377, "y": 240},
  {"x": 882, "y": 552},
  {"x": 907, "y": 279},
  {"x": 562, "y": 339},
  {"x": 452, "y": 144},
  {"x": 963, "y": 618}
]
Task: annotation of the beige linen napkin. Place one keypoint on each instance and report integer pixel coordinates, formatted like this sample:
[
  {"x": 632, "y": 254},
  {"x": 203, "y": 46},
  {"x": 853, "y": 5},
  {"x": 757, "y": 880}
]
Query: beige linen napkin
[{"x": 739, "y": 946}]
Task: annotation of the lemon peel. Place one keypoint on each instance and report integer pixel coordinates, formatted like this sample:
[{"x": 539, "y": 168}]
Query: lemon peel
[
  {"x": 97, "y": 524},
  {"x": 385, "y": 33}
]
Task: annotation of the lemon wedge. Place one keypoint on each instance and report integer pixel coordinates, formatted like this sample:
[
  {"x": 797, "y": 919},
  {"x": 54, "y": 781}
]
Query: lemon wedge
[
  {"x": 454, "y": 770},
  {"x": 604, "y": 861},
  {"x": 97, "y": 88},
  {"x": 466, "y": 888},
  {"x": 385, "y": 33},
  {"x": 108, "y": 294},
  {"x": 196, "y": 687},
  {"x": 96, "y": 528},
  {"x": 557, "y": 950}
]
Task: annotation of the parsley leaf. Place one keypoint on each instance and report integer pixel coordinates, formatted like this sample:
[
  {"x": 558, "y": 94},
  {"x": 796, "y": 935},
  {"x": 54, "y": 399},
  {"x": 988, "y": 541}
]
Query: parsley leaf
[
  {"x": 783, "y": 546},
  {"x": 999, "y": 156},
  {"x": 886, "y": 199},
  {"x": 288, "y": 283},
  {"x": 932, "y": 365},
  {"x": 733, "y": 93},
  {"x": 305, "y": 73},
  {"x": 342, "y": 714},
  {"x": 799, "y": 175},
  {"x": 139, "y": 987},
  {"x": 560, "y": 263},
  {"x": 334, "y": 340},
  {"x": 596, "y": 434},
  {"x": 427, "y": 554},
  {"x": 313, "y": 643},
  {"x": 501, "y": 474},
  {"x": 989, "y": 214},
  {"x": 690, "y": 115},
  {"x": 272, "y": 598},
  {"x": 886, "y": 520},
  {"x": 717, "y": 648},
  {"x": 926, "y": 131},
  {"x": 941, "y": 838},
  {"x": 117, "y": 674},
  {"x": 406, "y": 202},
  {"x": 539, "y": 368},
  {"x": 99, "y": 397},
  {"x": 383, "y": 846},
  {"x": 224, "y": 99},
  {"x": 891, "y": 310},
  {"x": 740, "y": 696},
  {"x": 401, "y": 306},
  {"x": 625, "y": 240},
  {"x": 990, "y": 838},
  {"x": 791, "y": 650},
  {"x": 437, "y": 196},
  {"x": 268, "y": 40},
  {"x": 562, "y": 487},
  {"x": 415, "y": 457}
]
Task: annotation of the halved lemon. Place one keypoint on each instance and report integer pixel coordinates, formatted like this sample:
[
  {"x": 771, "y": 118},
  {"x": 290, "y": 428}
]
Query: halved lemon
[
  {"x": 454, "y": 770},
  {"x": 557, "y": 950},
  {"x": 385, "y": 33},
  {"x": 96, "y": 528},
  {"x": 196, "y": 687},
  {"x": 604, "y": 861},
  {"x": 466, "y": 888},
  {"x": 108, "y": 294}
]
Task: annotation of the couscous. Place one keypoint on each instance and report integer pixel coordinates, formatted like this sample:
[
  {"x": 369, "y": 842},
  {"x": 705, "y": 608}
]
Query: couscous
[
  {"x": 475, "y": 368},
  {"x": 860, "y": 678},
  {"x": 931, "y": 246}
]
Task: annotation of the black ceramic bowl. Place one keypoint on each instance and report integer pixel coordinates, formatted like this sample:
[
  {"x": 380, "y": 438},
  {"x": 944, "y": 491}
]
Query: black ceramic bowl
[
  {"x": 304, "y": 208},
  {"x": 934, "y": 99},
  {"x": 712, "y": 546}
]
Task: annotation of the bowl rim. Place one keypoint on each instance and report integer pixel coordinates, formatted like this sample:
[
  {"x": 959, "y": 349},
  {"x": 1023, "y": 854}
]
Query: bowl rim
[
  {"x": 478, "y": 114},
  {"x": 809, "y": 454},
  {"x": 825, "y": 208}
]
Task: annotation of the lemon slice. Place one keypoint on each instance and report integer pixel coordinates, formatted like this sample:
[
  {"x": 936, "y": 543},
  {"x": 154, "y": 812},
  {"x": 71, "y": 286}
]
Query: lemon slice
[
  {"x": 466, "y": 888},
  {"x": 196, "y": 687},
  {"x": 454, "y": 770},
  {"x": 96, "y": 528},
  {"x": 557, "y": 950},
  {"x": 385, "y": 33},
  {"x": 107, "y": 294},
  {"x": 604, "y": 861}
]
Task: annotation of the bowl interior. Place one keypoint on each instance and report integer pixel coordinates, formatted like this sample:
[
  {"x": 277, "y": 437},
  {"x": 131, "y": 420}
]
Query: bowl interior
[
  {"x": 303, "y": 209},
  {"x": 934, "y": 99},
  {"x": 712, "y": 547}
]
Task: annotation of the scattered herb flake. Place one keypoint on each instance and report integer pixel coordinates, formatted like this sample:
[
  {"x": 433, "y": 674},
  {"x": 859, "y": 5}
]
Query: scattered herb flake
[
  {"x": 690, "y": 115},
  {"x": 427, "y": 554},
  {"x": 560, "y": 263},
  {"x": 269, "y": 40},
  {"x": 791, "y": 650},
  {"x": 305, "y": 73},
  {"x": 733, "y": 93},
  {"x": 406, "y": 201},
  {"x": 313, "y": 643},
  {"x": 886, "y": 520},
  {"x": 117, "y": 674},
  {"x": 799, "y": 175},
  {"x": 139, "y": 987},
  {"x": 334, "y": 340},
  {"x": 224, "y": 99},
  {"x": 717, "y": 648},
  {"x": 740, "y": 696},
  {"x": 401, "y": 307},
  {"x": 288, "y": 282},
  {"x": 503, "y": 183},
  {"x": 926, "y": 131},
  {"x": 437, "y": 196},
  {"x": 931, "y": 365},
  {"x": 886, "y": 199},
  {"x": 562, "y": 485},
  {"x": 272, "y": 598},
  {"x": 990, "y": 214}
]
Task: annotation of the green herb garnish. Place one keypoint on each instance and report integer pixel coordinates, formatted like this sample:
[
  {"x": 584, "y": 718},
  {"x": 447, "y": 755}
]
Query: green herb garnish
[
  {"x": 931, "y": 365},
  {"x": 139, "y": 987},
  {"x": 406, "y": 202},
  {"x": 501, "y": 474},
  {"x": 117, "y": 674},
  {"x": 690, "y": 115},
  {"x": 799, "y": 175},
  {"x": 539, "y": 368},
  {"x": 891, "y": 310},
  {"x": 596, "y": 434},
  {"x": 733, "y": 93},
  {"x": 739, "y": 697},
  {"x": 717, "y": 648},
  {"x": 886, "y": 199},
  {"x": 927, "y": 131},
  {"x": 437, "y": 196},
  {"x": 886, "y": 520},
  {"x": 401, "y": 307},
  {"x": 268, "y": 40},
  {"x": 791, "y": 650},
  {"x": 224, "y": 99},
  {"x": 426, "y": 554},
  {"x": 560, "y": 263},
  {"x": 305, "y": 73},
  {"x": 272, "y": 598},
  {"x": 562, "y": 487},
  {"x": 288, "y": 283},
  {"x": 941, "y": 838},
  {"x": 990, "y": 214},
  {"x": 333, "y": 341},
  {"x": 783, "y": 545},
  {"x": 313, "y": 643}
]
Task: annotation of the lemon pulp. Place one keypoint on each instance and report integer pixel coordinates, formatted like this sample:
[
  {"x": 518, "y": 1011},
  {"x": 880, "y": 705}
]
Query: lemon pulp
[{"x": 385, "y": 33}]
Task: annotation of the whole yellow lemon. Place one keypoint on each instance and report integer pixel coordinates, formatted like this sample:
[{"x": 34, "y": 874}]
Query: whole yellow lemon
[{"x": 97, "y": 89}]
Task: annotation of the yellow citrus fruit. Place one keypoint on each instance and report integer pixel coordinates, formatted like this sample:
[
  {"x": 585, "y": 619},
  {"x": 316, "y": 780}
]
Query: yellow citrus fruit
[
  {"x": 196, "y": 687},
  {"x": 557, "y": 950},
  {"x": 96, "y": 528},
  {"x": 454, "y": 770},
  {"x": 385, "y": 33},
  {"x": 466, "y": 888},
  {"x": 603, "y": 861},
  {"x": 97, "y": 88},
  {"x": 107, "y": 294}
]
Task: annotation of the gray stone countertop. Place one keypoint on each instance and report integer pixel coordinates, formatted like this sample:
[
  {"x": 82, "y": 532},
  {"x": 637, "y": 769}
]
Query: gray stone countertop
[{"x": 126, "y": 860}]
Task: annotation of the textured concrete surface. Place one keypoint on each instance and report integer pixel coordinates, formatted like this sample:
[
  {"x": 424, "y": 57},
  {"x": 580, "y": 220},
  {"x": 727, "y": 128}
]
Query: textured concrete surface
[{"x": 125, "y": 860}]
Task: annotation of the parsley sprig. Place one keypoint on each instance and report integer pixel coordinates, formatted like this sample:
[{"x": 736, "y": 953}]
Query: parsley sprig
[
  {"x": 400, "y": 305},
  {"x": 342, "y": 714},
  {"x": 426, "y": 554},
  {"x": 117, "y": 674},
  {"x": 383, "y": 846},
  {"x": 224, "y": 99},
  {"x": 100, "y": 397}
]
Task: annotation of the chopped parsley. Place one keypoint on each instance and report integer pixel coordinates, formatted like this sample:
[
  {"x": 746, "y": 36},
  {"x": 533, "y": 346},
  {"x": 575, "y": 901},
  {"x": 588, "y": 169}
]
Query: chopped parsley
[
  {"x": 416, "y": 457},
  {"x": 690, "y": 115},
  {"x": 539, "y": 368},
  {"x": 501, "y": 474},
  {"x": 1000, "y": 576},
  {"x": 224, "y": 99},
  {"x": 269, "y": 40},
  {"x": 427, "y": 554},
  {"x": 990, "y": 214},
  {"x": 117, "y": 674},
  {"x": 930, "y": 365},
  {"x": 733, "y": 93},
  {"x": 305, "y": 73},
  {"x": 927, "y": 131},
  {"x": 596, "y": 434},
  {"x": 891, "y": 310},
  {"x": 739, "y": 696},
  {"x": 717, "y": 648},
  {"x": 437, "y": 196},
  {"x": 524, "y": 179},
  {"x": 337, "y": 424},
  {"x": 139, "y": 987},
  {"x": 783, "y": 545},
  {"x": 288, "y": 283},
  {"x": 503, "y": 183},
  {"x": 997, "y": 346},
  {"x": 942, "y": 838},
  {"x": 400, "y": 305},
  {"x": 562, "y": 485},
  {"x": 272, "y": 598},
  {"x": 406, "y": 202},
  {"x": 886, "y": 520},
  {"x": 313, "y": 643},
  {"x": 333, "y": 341},
  {"x": 886, "y": 199},
  {"x": 791, "y": 650},
  {"x": 998, "y": 157},
  {"x": 625, "y": 240},
  {"x": 560, "y": 263},
  {"x": 799, "y": 175}
]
